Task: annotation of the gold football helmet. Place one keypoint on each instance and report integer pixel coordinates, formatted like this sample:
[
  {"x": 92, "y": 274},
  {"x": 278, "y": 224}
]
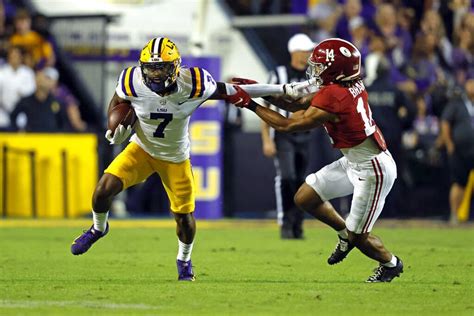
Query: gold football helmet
[{"x": 160, "y": 62}]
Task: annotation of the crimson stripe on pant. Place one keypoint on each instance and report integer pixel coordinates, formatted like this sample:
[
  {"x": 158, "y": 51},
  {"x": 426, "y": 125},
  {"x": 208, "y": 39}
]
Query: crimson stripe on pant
[{"x": 378, "y": 189}]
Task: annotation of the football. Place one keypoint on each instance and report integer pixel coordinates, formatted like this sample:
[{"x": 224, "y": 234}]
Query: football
[{"x": 122, "y": 113}]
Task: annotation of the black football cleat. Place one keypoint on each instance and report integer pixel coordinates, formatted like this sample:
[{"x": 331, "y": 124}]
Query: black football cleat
[
  {"x": 343, "y": 248},
  {"x": 386, "y": 274},
  {"x": 286, "y": 233}
]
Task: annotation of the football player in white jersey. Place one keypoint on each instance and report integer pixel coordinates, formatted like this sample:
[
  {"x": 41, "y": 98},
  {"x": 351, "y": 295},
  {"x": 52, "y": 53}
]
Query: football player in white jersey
[{"x": 163, "y": 95}]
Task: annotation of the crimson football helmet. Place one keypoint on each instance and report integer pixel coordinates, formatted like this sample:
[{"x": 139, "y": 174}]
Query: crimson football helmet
[{"x": 334, "y": 60}]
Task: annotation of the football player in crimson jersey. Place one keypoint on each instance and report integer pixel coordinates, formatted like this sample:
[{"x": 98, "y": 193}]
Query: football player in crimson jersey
[
  {"x": 366, "y": 170},
  {"x": 163, "y": 95}
]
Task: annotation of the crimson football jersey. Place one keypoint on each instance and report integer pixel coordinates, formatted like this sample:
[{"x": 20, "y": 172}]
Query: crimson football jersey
[{"x": 355, "y": 117}]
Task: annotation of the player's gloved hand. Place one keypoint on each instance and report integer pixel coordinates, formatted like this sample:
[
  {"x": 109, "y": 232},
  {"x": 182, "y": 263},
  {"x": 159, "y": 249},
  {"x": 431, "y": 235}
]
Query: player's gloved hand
[
  {"x": 243, "y": 81},
  {"x": 240, "y": 99},
  {"x": 296, "y": 90},
  {"x": 120, "y": 134}
]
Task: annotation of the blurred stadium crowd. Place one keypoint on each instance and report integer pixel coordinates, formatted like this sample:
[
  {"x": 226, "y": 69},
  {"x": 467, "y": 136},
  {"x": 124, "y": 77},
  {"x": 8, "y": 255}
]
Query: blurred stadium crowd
[
  {"x": 418, "y": 58},
  {"x": 29, "y": 82}
]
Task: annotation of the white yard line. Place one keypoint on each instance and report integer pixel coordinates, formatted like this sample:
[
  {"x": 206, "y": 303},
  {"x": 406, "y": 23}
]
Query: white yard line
[{"x": 86, "y": 304}]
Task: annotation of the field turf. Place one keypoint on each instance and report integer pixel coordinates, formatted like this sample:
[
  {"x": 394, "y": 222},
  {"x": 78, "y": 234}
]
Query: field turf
[{"x": 242, "y": 268}]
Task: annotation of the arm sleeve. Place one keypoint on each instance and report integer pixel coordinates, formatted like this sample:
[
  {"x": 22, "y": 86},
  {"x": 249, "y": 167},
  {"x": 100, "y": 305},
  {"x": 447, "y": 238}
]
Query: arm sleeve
[
  {"x": 272, "y": 79},
  {"x": 257, "y": 90}
]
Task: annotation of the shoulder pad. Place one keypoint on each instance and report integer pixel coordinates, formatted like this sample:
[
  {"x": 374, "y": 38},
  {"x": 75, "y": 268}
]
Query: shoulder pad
[
  {"x": 198, "y": 84},
  {"x": 126, "y": 81}
]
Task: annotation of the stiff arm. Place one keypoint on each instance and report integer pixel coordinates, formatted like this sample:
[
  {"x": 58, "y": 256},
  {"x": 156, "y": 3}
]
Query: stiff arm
[
  {"x": 255, "y": 90},
  {"x": 294, "y": 90}
]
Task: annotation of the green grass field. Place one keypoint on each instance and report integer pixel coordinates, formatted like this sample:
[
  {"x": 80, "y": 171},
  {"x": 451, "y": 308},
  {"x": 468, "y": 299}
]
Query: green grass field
[{"x": 242, "y": 268}]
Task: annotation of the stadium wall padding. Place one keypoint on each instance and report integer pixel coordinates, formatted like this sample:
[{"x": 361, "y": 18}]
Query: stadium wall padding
[{"x": 80, "y": 173}]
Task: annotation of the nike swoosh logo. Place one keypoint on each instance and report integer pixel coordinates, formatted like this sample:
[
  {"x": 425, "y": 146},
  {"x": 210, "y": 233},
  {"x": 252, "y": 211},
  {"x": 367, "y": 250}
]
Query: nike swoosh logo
[
  {"x": 360, "y": 179},
  {"x": 240, "y": 100}
]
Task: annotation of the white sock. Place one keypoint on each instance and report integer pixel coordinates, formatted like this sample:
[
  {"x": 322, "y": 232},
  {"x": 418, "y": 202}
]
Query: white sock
[
  {"x": 392, "y": 263},
  {"x": 184, "y": 251},
  {"x": 100, "y": 220},
  {"x": 343, "y": 234}
]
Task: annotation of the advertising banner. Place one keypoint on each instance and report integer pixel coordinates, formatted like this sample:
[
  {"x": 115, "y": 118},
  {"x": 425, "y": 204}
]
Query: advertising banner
[{"x": 205, "y": 131}]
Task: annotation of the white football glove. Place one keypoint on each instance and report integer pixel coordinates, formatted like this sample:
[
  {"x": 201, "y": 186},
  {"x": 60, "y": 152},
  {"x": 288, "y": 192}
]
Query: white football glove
[
  {"x": 296, "y": 90},
  {"x": 121, "y": 133}
]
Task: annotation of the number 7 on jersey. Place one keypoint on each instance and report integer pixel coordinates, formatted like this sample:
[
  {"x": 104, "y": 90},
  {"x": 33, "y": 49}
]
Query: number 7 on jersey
[{"x": 166, "y": 117}]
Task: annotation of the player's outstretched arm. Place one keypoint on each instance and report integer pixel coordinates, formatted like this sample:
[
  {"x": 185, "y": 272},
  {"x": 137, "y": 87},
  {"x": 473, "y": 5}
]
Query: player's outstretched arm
[
  {"x": 300, "y": 121},
  {"x": 291, "y": 105},
  {"x": 258, "y": 90},
  {"x": 294, "y": 90}
]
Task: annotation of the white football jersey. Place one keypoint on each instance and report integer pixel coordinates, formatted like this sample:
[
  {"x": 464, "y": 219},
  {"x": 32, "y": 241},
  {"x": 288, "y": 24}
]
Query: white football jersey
[{"x": 162, "y": 125}]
